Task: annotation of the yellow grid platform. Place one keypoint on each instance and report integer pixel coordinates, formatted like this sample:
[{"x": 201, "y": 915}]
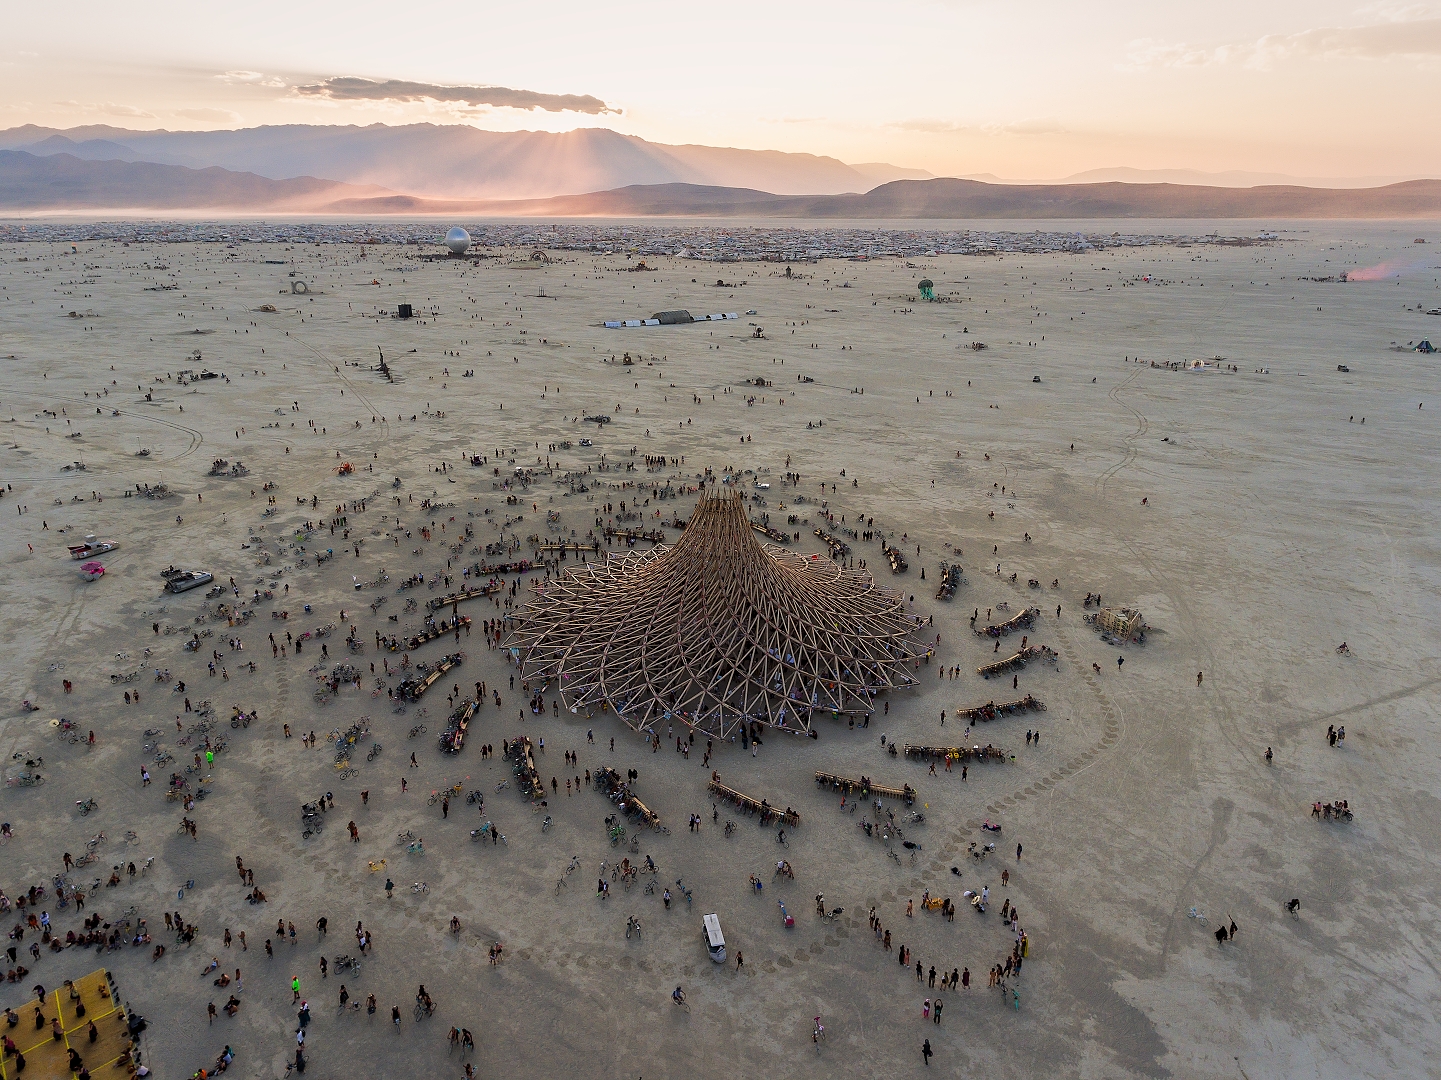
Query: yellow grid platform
[{"x": 48, "y": 1057}]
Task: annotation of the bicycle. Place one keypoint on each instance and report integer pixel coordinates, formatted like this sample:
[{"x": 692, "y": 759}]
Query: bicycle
[
  {"x": 374, "y": 752},
  {"x": 502, "y": 786},
  {"x": 376, "y": 865},
  {"x": 546, "y": 824},
  {"x": 730, "y": 827},
  {"x": 574, "y": 865},
  {"x": 423, "y": 1010},
  {"x": 404, "y": 837},
  {"x": 892, "y": 854},
  {"x": 420, "y": 887},
  {"x": 346, "y": 774},
  {"x": 419, "y": 729}
]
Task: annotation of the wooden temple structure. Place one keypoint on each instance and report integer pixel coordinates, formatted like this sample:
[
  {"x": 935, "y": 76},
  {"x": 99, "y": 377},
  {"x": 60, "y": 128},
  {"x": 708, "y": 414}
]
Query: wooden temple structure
[{"x": 717, "y": 631}]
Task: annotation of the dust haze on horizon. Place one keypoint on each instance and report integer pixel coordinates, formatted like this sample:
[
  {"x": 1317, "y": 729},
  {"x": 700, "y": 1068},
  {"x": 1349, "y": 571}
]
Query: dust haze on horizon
[{"x": 1255, "y": 92}]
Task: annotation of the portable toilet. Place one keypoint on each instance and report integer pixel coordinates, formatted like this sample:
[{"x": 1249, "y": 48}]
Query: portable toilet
[{"x": 715, "y": 941}]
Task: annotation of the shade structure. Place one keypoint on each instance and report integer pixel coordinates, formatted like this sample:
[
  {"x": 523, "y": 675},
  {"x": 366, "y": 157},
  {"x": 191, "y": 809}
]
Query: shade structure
[{"x": 717, "y": 631}]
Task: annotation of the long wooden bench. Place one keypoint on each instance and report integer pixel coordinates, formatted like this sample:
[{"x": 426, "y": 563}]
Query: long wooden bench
[
  {"x": 866, "y": 786},
  {"x": 756, "y": 806},
  {"x": 521, "y": 754},
  {"x": 959, "y": 753},
  {"x": 413, "y": 689},
  {"x": 993, "y": 710},
  {"x": 438, "y": 630},
  {"x": 609, "y": 783},
  {"x": 1019, "y": 660}
]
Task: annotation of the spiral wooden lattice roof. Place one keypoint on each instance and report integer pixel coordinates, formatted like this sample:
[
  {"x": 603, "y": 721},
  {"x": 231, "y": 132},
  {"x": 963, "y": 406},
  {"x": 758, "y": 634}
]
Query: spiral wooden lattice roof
[{"x": 716, "y": 631}]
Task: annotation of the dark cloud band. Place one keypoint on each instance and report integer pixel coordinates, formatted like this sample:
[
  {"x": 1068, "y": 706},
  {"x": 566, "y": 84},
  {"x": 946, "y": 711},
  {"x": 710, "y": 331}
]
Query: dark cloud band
[{"x": 353, "y": 89}]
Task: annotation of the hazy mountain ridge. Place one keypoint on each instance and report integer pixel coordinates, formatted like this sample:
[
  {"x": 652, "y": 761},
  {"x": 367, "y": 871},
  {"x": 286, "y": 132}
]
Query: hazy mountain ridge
[
  {"x": 955, "y": 200},
  {"x": 458, "y": 161},
  {"x": 83, "y": 171},
  {"x": 30, "y": 182}
]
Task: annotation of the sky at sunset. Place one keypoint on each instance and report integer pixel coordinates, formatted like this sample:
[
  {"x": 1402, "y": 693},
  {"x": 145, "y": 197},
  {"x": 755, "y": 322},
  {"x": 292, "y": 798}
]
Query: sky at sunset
[{"x": 1033, "y": 90}]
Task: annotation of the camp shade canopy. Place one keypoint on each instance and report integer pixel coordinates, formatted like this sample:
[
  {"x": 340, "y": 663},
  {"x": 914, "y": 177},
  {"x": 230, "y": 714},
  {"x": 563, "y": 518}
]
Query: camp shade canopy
[{"x": 717, "y": 632}]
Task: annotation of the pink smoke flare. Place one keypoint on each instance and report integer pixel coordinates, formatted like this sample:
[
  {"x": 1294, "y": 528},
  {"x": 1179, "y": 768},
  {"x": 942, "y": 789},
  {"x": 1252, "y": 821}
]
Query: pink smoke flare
[{"x": 1383, "y": 271}]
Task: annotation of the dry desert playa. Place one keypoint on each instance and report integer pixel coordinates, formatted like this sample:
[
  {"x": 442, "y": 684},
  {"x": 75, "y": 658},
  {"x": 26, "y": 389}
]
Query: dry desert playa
[{"x": 1259, "y": 510}]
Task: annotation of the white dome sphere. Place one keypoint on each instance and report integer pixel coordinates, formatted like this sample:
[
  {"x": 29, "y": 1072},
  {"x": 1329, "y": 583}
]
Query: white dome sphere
[{"x": 457, "y": 240}]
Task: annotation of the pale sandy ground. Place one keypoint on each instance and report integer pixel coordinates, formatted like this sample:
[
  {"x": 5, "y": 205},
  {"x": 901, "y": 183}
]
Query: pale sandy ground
[{"x": 1275, "y": 530}]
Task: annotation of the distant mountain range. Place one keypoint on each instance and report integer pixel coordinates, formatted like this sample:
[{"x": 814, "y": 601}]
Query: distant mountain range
[
  {"x": 63, "y": 182},
  {"x": 425, "y": 169},
  {"x": 1231, "y": 178},
  {"x": 949, "y": 199},
  {"x": 462, "y": 162}
]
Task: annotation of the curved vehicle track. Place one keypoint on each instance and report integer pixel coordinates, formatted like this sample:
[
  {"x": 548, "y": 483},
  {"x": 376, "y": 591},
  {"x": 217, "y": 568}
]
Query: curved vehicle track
[
  {"x": 1142, "y": 426},
  {"x": 196, "y": 439}
]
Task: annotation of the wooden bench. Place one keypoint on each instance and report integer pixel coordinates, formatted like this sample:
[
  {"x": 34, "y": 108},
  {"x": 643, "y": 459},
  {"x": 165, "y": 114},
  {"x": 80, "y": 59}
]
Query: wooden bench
[
  {"x": 756, "y": 806},
  {"x": 906, "y": 793},
  {"x": 959, "y": 753}
]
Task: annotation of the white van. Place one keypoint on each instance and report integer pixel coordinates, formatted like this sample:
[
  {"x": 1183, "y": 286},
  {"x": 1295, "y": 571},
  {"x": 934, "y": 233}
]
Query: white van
[{"x": 715, "y": 941}]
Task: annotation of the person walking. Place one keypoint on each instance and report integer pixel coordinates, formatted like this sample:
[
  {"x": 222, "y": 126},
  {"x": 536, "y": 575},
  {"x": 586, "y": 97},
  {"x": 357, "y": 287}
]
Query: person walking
[
  {"x": 294, "y": 989},
  {"x": 926, "y": 1052},
  {"x": 1018, "y": 853},
  {"x": 389, "y": 885},
  {"x": 937, "y": 1016}
]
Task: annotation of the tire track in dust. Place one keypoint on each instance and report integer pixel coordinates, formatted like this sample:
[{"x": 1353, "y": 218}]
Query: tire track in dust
[
  {"x": 1142, "y": 426},
  {"x": 340, "y": 374},
  {"x": 196, "y": 438}
]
